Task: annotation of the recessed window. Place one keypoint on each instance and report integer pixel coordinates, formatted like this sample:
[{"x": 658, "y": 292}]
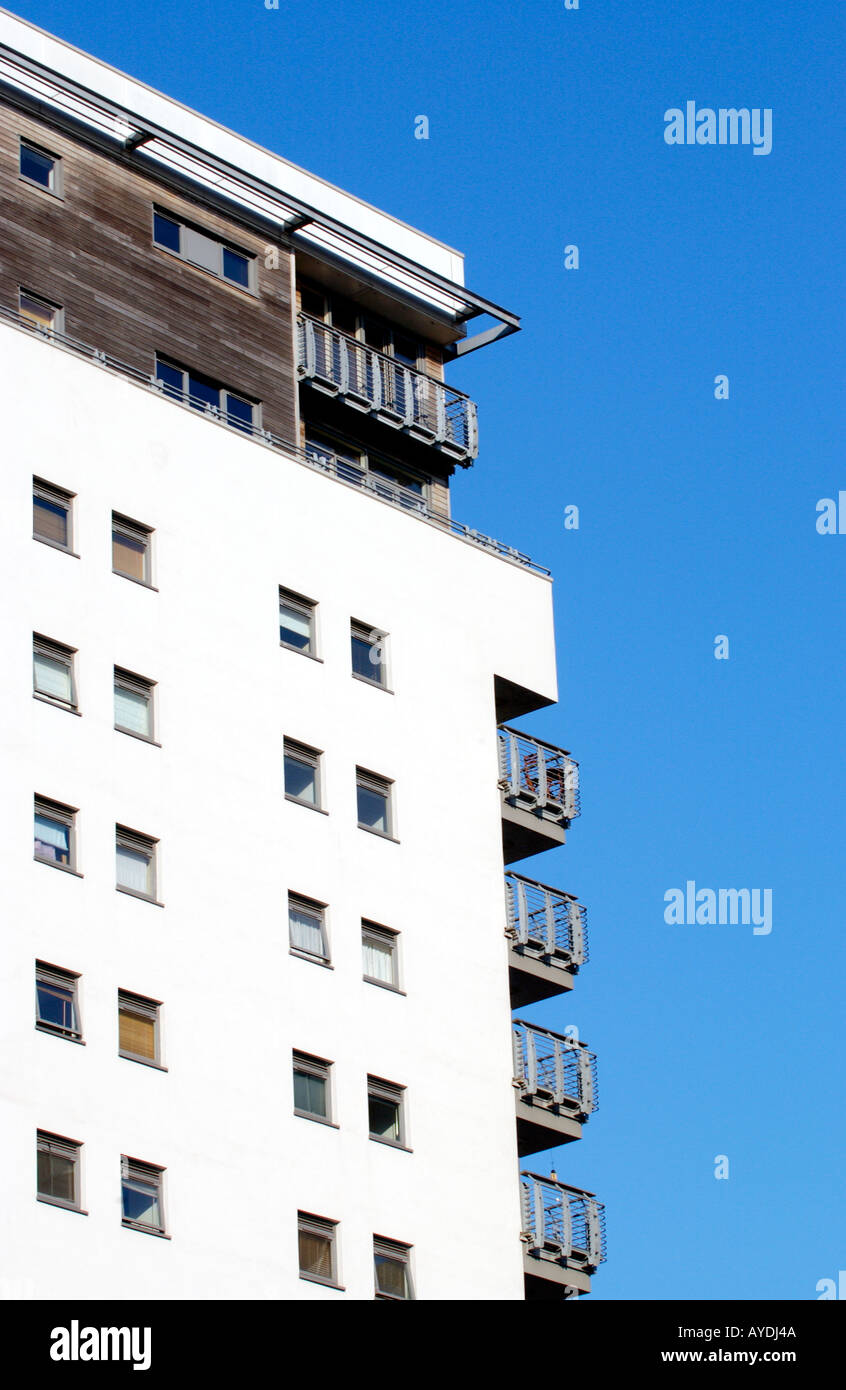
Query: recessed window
[
  {"x": 55, "y": 833},
  {"x": 53, "y": 672},
  {"x": 302, "y": 773},
  {"x": 41, "y": 167},
  {"x": 207, "y": 395},
  {"x": 317, "y": 1248},
  {"x": 133, "y": 704},
  {"x": 138, "y": 1027},
  {"x": 392, "y": 1269},
  {"x": 142, "y": 1201},
  {"x": 136, "y": 863},
  {"x": 386, "y": 1107},
  {"x": 58, "y": 1170},
  {"x": 312, "y": 1094},
  {"x": 307, "y": 928},
  {"x": 57, "y": 1001},
  {"x": 296, "y": 622},
  {"x": 40, "y": 313},
  {"x": 368, "y": 653},
  {"x": 379, "y": 950},
  {"x": 203, "y": 250},
  {"x": 374, "y": 802},
  {"x": 131, "y": 546},
  {"x": 166, "y": 232},
  {"x": 52, "y": 514}
]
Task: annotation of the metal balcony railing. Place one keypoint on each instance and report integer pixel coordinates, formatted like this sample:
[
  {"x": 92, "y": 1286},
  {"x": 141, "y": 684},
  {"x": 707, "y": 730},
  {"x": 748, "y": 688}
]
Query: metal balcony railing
[
  {"x": 538, "y": 776},
  {"x": 554, "y": 1070},
  {"x": 323, "y": 461},
  {"x": 401, "y": 396},
  {"x": 546, "y": 922},
  {"x": 565, "y": 1221}
]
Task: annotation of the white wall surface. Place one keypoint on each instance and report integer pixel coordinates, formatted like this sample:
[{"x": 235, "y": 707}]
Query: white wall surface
[{"x": 234, "y": 520}]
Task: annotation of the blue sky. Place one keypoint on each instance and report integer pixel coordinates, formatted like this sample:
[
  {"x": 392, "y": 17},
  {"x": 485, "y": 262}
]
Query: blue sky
[{"x": 697, "y": 518}]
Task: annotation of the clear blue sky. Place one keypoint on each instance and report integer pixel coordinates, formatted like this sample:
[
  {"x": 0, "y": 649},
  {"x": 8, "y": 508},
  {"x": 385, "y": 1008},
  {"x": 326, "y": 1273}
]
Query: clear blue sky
[{"x": 697, "y": 519}]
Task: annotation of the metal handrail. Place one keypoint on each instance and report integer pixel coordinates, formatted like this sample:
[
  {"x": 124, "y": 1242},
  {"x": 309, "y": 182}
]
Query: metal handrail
[
  {"x": 567, "y": 1221},
  {"x": 538, "y": 776},
  {"x": 554, "y": 1069},
  {"x": 545, "y": 920}
]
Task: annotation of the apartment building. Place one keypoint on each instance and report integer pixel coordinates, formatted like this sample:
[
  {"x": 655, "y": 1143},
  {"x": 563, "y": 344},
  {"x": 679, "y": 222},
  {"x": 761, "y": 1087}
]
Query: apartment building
[{"x": 262, "y": 785}]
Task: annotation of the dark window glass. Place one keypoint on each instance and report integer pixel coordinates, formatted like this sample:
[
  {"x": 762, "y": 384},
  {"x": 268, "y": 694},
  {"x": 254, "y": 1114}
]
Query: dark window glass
[
  {"x": 55, "y": 1006},
  {"x": 141, "y": 1201},
  {"x": 236, "y": 267},
  {"x": 202, "y": 392},
  {"x": 56, "y": 1177},
  {"x": 384, "y": 1118},
  {"x": 367, "y": 656},
  {"x": 300, "y": 779},
  {"x": 384, "y": 470},
  {"x": 294, "y": 626},
  {"x": 310, "y": 1093},
  {"x": 315, "y": 1254},
  {"x": 173, "y": 378},
  {"x": 391, "y": 1277},
  {"x": 312, "y": 303},
  {"x": 165, "y": 232},
  {"x": 239, "y": 413},
  {"x": 373, "y": 809},
  {"x": 38, "y": 167}
]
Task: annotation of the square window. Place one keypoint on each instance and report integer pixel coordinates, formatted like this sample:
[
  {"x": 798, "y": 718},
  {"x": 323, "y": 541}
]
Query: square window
[
  {"x": 317, "y": 1248},
  {"x": 55, "y": 838},
  {"x": 57, "y": 1001},
  {"x": 307, "y": 928},
  {"x": 37, "y": 166},
  {"x": 131, "y": 546},
  {"x": 374, "y": 802},
  {"x": 368, "y": 653},
  {"x": 312, "y": 1091},
  {"x": 386, "y": 1106},
  {"x": 58, "y": 1170},
  {"x": 392, "y": 1269},
  {"x": 302, "y": 773},
  {"x": 136, "y": 863},
  {"x": 379, "y": 950},
  {"x": 52, "y": 514},
  {"x": 142, "y": 1202},
  {"x": 53, "y": 672},
  {"x": 296, "y": 622},
  {"x": 40, "y": 313},
  {"x": 166, "y": 232},
  {"x": 138, "y": 1027},
  {"x": 133, "y": 704}
]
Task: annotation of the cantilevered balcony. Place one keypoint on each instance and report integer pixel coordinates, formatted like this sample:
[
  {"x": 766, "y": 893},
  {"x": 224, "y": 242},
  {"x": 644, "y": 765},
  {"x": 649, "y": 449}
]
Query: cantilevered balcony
[
  {"x": 555, "y": 1083},
  {"x": 540, "y": 793},
  {"x": 547, "y": 930},
  {"x": 370, "y": 381},
  {"x": 563, "y": 1234}
]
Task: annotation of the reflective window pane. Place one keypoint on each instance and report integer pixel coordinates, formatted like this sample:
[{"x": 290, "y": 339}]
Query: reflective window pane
[
  {"x": 300, "y": 780},
  {"x": 134, "y": 870},
  {"x": 133, "y": 711},
  {"x": 52, "y": 839},
  {"x": 236, "y": 267},
  {"x": 391, "y": 1276},
  {"x": 373, "y": 809},
  {"x": 315, "y": 1255},
  {"x": 56, "y": 1176},
  {"x": 165, "y": 232},
  {"x": 38, "y": 167},
  {"x": 310, "y": 1093},
  {"x": 52, "y": 677},
  {"x": 384, "y": 1118}
]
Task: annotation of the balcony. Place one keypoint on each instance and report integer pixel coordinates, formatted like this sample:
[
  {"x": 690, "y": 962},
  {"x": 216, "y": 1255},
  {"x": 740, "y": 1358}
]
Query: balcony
[
  {"x": 382, "y": 386},
  {"x": 547, "y": 930},
  {"x": 540, "y": 794},
  {"x": 555, "y": 1080},
  {"x": 563, "y": 1231}
]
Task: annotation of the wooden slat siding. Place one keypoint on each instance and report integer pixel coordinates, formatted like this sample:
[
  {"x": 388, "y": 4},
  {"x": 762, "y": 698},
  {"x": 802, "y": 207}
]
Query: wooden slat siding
[
  {"x": 93, "y": 253},
  {"x": 434, "y": 361}
]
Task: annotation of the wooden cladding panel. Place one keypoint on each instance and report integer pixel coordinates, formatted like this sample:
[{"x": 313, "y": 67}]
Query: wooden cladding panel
[{"x": 92, "y": 253}]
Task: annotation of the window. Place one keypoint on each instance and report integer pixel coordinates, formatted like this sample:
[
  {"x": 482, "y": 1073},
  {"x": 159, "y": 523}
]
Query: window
[
  {"x": 302, "y": 773},
  {"x": 307, "y": 928},
  {"x": 205, "y": 251},
  {"x": 204, "y": 394},
  {"x": 133, "y": 704},
  {"x": 55, "y": 833},
  {"x": 40, "y": 313},
  {"x": 37, "y": 166},
  {"x": 138, "y": 1027},
  {"x": 52, "y": 515},
  {"x": 312, "y": 1093},
  {"x": 379, "y": 949},
  {"x": 131, "y": 545},
  {"x": 346, "y": 317},
  {"x": 142, "y": 1201},
  {"x": 374, "y": 802},
  {"x": 58, "y": 1170},
  {"x": 52, "y": 672},
  {"x": 317, "y": 1248},
  {"x": 296, "y": 622},
  {"x": 368, "y": 653},
  {"x": 136, "y": 863},
  {"x": 392, "y": 1268},
  {"x": 57, "y": 1001},
  {"x": 385, "y": 1105},
  {"x": 356, "y": 465}
]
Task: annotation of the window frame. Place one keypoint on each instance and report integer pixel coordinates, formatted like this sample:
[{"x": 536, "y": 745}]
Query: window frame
[
  {"x": 144, "y": 1007},
  {"x": 57, "y": 977},
  {"x": 55, "y": 184},
  {"x": 140, "y": 1171},
  {"x": 309, "y": 757},
  {"x": 57, "y": 324},
  {"x": 320, "y": 1069},
  {"x": 138, "y": 843},
  {"x": 319, "y": 910},
  {"x": 371, "y": 464},
  {"x": 308, "y": 608},
  {"x": 221, "y": 243},
  {"x": 376, "y": 932},
  {"x": 46, "y": 1141},
  {"x": 216, "y": 412},
  {"x": 365, "y": 632},
  {"x": 366, "y": 780},
  {"x": 324, "y": 1228},
  {"x": 63, "y": 815},
  {"x": 393, "y": 1094},
  {"x": 58, "y": 497},
  {"x": 399, "y": 1252},
  {"x": 134, "y": 531},
  {"x": 136, "y": 685},
  {"x": 60, "y": 653}
]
